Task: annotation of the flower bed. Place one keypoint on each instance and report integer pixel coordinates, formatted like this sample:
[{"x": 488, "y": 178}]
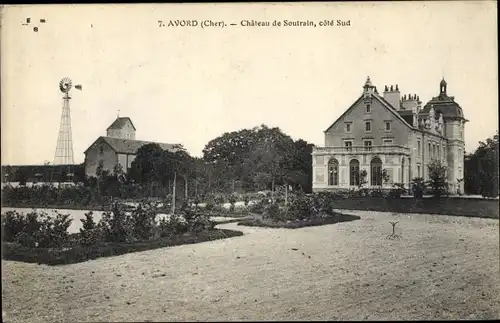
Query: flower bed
[
  {"x": 80, "y": 253},
  {"x": 317, "y": 221},
  {"x": 37, "y": 237},
  {"x": 300, "y": 211}
]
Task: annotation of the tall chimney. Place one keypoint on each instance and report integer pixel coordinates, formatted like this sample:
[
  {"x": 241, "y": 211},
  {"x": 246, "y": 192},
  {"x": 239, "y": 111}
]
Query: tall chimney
[
  {"x": 392, "y": 96},
  {"x": 409, "y": 102}
]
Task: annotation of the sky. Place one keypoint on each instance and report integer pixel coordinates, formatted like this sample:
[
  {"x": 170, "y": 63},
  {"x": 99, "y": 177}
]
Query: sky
[{"x": 189, "y": 85}]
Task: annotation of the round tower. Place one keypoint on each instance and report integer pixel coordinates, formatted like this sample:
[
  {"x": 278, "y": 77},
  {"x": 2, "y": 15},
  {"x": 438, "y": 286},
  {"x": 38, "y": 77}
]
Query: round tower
[{"x": 454, "y": 130}]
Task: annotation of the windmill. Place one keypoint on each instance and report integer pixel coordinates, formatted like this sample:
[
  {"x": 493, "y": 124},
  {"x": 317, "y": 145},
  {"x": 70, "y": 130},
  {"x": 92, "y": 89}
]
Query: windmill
[{"x": 64, "y": 148}]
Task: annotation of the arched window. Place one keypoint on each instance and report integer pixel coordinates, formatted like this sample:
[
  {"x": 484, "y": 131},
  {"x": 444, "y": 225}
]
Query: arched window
[
  {"x": 376, "y": 172},
  {"x": 333, "y": 172},
  {"x": 354, "y": 172}
]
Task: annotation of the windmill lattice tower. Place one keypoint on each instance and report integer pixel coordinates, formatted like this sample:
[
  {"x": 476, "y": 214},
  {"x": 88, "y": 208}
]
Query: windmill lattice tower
[{"x": 64, "y": 148}]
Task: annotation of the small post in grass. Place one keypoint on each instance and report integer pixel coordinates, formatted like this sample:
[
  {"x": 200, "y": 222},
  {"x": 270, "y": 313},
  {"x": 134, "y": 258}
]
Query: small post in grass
[{"x": 393, "y": 235}]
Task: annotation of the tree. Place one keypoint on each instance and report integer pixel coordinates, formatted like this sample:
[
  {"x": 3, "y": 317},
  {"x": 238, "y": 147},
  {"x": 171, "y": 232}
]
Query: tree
[
  {"x": 481, "y": 169},
  {"x": 271, "y": 155},
  {"x": 7, "y": 174},
  {"x": 250, "y": 158},
  {"x": 299, "y": 170},
  {"x": 148, "y": 165},
  {"x": 437, "y": 177},
  {"x": 176, "y": 163},
  {"x": 99, "y": 174},
  {"x": 79, "y": 174},
  {"x": 21, "y": 176}
]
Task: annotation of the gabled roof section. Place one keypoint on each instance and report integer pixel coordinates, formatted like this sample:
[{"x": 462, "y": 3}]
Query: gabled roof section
[
  {"x": 384, "y": 103},
  {"x": 345, "y": 112},
  {"x": 120, "y": 122},
  {"x": 98, "y": 140},
  {"x": 128, "y": 146}
]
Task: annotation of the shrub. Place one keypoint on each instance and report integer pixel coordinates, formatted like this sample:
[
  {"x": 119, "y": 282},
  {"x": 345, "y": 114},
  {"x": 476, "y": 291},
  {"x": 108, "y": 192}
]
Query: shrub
[
  {"x": 323, "y": 204},
  {"x": 397, "y": 191},
  {"x": 299, "y": 224},
  {"x": 259, "y": 206},
  {"x": 13, "y": 224},
  {"x": 89, "y": 233},
  {"x": 200, "y": 223},
  {"x": 195, "y": 222},
  {"x": 378, "y": 193},
  {"x": 418, "y": 186},
  {"x": 302, "y": 207},
  {"x": 174, "y": 225},
  {"x": 116, "y": 226},
  {"x": 196, "y": 202},
  {"x": 219, "y": 200},
  {"x": 77, "y": 254},
  {"x": 143, "y": 221},
  {"x": 272, "y": 211},
  {"x": 210, "y": 204},
  {"x": 36, "y": 229},
  {"x": 246, "y": 200},
  {"x": 355, "y": 193},
  {"x": 232, "y": 201},
  {"x": 241, "y": 209},
  {"x": 437, "y": 178}
]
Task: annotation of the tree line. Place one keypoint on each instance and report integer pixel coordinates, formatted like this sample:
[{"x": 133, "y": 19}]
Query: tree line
[{"x": 248, "y": 160}]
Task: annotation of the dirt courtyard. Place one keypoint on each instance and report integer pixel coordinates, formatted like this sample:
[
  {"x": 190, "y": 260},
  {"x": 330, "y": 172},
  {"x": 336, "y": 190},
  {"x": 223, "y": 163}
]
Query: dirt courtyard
[{"x": 444, "y": 268}]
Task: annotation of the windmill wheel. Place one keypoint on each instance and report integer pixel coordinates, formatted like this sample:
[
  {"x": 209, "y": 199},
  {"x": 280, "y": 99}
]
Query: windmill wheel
[{"x": 65, "y": 85}]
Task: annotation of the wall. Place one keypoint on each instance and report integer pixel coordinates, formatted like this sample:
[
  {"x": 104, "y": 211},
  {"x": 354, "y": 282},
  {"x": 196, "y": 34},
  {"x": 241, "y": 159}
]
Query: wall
[
  {"x": 122, "y": 133},
  {"x": 424, "y": 158},
  {"x": 93, "y": 156},
  {"x": 126, "y": 161},
  {"x": 379, "y": 113},
  {"x": 391, "y": 162}
]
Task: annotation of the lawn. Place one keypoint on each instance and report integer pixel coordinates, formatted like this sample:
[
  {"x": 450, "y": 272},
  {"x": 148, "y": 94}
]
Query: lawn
[
  {"x": 481, "y": 208},
  {"x": 445, "y": 267}
]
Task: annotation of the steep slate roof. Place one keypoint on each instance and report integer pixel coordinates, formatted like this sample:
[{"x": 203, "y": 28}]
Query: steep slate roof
[
  {"x": 407, "y": 115},
  {"x": 384, "y": 103},
  {"x": 446, "y": 105},
  {"x": 128, "y": 146},
  {"x": 120, "y": 122}
]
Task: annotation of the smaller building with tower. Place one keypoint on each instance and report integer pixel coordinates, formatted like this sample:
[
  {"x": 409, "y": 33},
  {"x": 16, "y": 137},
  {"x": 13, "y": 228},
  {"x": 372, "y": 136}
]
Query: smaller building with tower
[
  {"x": 393, "y": 133},
  {"x": 119, "y": 146}
]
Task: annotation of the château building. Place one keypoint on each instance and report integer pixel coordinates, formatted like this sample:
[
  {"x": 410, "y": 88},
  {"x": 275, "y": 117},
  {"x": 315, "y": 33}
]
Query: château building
[
  {"x": 393, "y": 133},
  {"x": 119, "y": 146}
]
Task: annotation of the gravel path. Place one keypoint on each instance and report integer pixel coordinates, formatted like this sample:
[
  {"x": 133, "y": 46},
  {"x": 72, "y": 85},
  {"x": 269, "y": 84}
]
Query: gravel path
[{"x": 445, "y": 267}]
